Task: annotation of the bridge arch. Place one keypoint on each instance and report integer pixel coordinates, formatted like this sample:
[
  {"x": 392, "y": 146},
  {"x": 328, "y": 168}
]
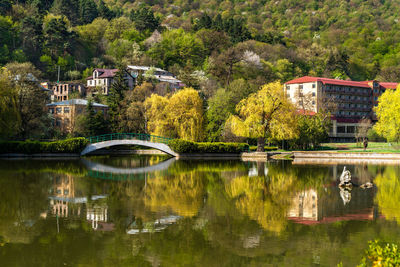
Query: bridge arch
[{"x": 146, "y": 140}]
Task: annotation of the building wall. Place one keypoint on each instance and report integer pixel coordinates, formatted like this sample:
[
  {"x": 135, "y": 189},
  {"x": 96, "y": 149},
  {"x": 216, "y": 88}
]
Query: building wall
[
  {"x": 62, "y": 90},
  {"x": 65, "y": 115}
]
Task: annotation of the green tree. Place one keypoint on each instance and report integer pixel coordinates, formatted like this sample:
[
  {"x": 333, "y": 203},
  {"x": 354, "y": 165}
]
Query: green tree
[
  {"x": 9, "y": 115},
  {"x": 116, "y": 96},
  {"x": 265, "y": 114},
  {"x": 91, "y": 123},
  {"x": 87, "y": 11},
  {"x": 313, "y": 130},
  {"x": 104, "y": 11},
  {"x": 144, "y": 19},
  {"x": 31, "y": 100}
]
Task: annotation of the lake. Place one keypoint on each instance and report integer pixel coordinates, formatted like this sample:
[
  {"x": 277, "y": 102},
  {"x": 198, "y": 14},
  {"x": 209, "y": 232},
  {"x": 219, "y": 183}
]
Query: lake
[{"x": 156, "y": 211}]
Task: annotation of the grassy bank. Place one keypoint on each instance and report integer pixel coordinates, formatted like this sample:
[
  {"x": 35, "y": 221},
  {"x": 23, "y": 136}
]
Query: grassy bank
[{"x": 373, "y": 147}]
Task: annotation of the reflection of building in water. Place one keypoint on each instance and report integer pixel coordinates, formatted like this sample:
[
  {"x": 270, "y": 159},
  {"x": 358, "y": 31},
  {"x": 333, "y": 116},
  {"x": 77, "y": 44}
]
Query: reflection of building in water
[
  {"x": 310, "y": 206},
  {"x": 97, "y": 215},
  {"x": 63, "y": 193},
  {"x": 66, "y": 201},
  {"x": 305, "y": 205}
]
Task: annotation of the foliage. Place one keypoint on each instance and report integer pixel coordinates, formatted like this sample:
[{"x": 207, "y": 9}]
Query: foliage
[
  {"x": 183, "y": 146},
  {"x": 381, "y": 254},
  {"x": 115, "y": 98},
  {"x": 265, "y": 114},
  {"x": 9, "y": 115},
  {"x": 388, "y": 114},
  {"x": 313, "y": 130},
  {"x": 91, "y": 123},
  {"x": 73, "y": 145},
  {"x": 181, "y": 115}
]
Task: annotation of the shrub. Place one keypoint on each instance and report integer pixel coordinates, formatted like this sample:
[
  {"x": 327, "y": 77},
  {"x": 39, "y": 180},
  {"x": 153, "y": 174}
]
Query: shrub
[
  {"x": 266, "y": 148},
  {"x": 381, "y": 254},
  {"x": 72, "y": 145},
  {"x": 183, "y": 146}
]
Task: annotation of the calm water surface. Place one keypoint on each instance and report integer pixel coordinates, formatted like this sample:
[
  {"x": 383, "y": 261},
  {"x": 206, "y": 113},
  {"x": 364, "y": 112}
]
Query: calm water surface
[{"x": 151, "y": 211}]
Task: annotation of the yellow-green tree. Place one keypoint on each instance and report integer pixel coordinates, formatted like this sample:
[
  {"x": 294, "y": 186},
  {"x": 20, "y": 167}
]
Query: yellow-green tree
[
  {"x": 265, "y": 114},
  {"x": 181, "y": 115},
  {"x": 9, "y": 116},
  {"x": 388, "y": 113}
]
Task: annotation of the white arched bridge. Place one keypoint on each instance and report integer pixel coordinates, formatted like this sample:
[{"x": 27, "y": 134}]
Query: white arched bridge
[{"x": 115, "y": 139}]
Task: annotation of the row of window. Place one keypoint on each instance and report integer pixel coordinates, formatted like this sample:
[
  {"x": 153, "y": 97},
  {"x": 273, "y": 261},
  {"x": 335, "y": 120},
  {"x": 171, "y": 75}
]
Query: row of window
[
  {"x": 349, "y": 97},
  {"x": 58, "y": 122},
  {"x": 59, "y": 110},
  {"x": 347, "y": 89},
  {"x": 347, "y": 105},
  {"x": 352, "y": 113}
]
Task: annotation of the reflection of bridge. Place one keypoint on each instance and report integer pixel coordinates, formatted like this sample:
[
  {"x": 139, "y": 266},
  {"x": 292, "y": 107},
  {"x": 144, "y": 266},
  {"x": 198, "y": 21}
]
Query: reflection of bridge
[
  {"x": 146, "y": 140},
  {"x": 99, "y": 170}
]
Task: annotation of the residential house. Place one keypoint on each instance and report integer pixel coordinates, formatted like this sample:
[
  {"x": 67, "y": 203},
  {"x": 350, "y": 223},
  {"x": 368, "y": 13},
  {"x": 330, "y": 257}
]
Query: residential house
[
  {"x": 102, "y": 79},
  {"x": 158, "y": 74},
  {"x": 65, "y": 112}
]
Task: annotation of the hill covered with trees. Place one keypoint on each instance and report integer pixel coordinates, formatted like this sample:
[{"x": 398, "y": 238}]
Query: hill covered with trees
[{"x": 213, "y": 40}]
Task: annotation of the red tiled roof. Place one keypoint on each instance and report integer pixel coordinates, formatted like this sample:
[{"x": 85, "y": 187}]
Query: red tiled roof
[
  {"x": 388, "y": 85},
  {"x": 107, "y": 73},
  {"x": 306, "y": 112},
  {"x": 308, "y": 79}
]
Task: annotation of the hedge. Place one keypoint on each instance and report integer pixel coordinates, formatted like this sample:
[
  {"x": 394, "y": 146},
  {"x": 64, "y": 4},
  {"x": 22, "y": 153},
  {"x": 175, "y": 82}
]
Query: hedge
[
  {"x": 73, "y": 145},
  {"x": 183, "y": 146},
  {"x": 266, "y": 148}
]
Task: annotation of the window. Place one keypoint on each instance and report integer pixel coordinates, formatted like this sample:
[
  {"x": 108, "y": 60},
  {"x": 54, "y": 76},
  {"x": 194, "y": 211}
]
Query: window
[
  {"x": 58, "y": 122},
  {"x": 341, "y": 129},
  {"x": 66, "y": 192},
  {"x": 350, "y": 129},
  {"x": 288, "y": 87},
  {"x": 51, "y": 110},
  {"x": 313, "y": 93},
  {"x": 313, "y": 102},
  {"x": 58, "y": 110},
  {"x": 313, "y": 85},
  {"x": 300, "y": 86},
  {"x": 66, "y": 110}
]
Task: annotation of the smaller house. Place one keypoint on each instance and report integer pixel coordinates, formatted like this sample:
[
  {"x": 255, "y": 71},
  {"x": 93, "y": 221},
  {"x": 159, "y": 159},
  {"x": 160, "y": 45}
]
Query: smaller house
[
  {"x": 103, "y": 79},
  {"x": 161, "y": 75},
  {"x": 61, "y": 91},
  {"x": 65, "y": 112}
]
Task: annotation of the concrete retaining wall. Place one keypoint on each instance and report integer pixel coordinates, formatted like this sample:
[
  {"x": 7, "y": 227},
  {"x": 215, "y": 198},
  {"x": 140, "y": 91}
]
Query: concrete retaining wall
[{"x": 349, "y": 155}]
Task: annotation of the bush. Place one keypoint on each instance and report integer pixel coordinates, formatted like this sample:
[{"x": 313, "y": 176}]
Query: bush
[
  {"x": 381, "y": 254},
  {"x": 73, "y": 145},
  {"x": 266, "y": 148},
  {"x": 183, "y": 146}
]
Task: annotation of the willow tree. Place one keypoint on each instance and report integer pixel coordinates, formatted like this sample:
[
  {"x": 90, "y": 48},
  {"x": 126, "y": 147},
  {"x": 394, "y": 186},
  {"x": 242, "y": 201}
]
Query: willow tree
[
  {"x": 181, "y": 115},
  {"x": 265, "y": 114},
  {"x": 388, "y": 113},
  {"x": 9, "y": 116}
]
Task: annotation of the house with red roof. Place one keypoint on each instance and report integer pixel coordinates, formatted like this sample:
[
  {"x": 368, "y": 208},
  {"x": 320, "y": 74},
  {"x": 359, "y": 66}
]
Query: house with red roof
[
  {"x": 348, "y": 101},
  {"x": 102, "y": 80}
]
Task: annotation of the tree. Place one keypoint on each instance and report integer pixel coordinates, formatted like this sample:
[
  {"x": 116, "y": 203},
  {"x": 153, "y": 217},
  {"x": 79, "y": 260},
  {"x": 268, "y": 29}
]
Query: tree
[
  {"x": 362, "y": 129},
  {"x": 31, "y": 100},
  {"x": 388, "y": 114},
  {"x": 87, "y": 11},
  {"x": 265, "y": 114},
  {"x": 91, "y": 123},
  {"x": 144, "y": 19},
  {"x": 313, "y": 129},
  {"x": 115, "y": 98},
  {"x": 104, "y": 11},
  {"x": 181, "y": 115},
  {"x": 9, "y": 115}
]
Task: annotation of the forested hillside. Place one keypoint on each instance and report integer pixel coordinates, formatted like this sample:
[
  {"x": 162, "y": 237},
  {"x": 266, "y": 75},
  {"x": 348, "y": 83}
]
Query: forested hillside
[{"x": 219, "y": 40}]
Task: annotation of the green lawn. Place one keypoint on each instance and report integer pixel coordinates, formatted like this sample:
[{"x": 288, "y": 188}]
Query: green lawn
[{"x": 380, "y": 147}]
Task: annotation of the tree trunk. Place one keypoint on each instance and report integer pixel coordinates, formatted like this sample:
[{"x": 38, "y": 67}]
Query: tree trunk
[{"x": 260, "y": 144}]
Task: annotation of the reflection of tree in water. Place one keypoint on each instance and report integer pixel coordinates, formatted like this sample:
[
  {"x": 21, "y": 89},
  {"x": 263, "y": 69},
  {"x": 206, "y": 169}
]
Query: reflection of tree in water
[
  {"x": 388, "y": 195},
  {"x": 182, "y": 193},
  {"x": 265, "y": 200}
]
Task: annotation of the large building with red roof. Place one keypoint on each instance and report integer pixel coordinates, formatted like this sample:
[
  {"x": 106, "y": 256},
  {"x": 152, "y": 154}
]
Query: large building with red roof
[{"x": 350, "y": 101}]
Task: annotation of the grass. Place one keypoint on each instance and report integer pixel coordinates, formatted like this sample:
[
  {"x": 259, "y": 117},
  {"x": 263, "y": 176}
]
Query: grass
[{"x": 375, "y": 147}]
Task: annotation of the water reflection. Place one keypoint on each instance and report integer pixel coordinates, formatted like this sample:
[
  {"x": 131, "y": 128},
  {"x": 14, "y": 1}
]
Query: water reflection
[{"x": 192, "y": 212}]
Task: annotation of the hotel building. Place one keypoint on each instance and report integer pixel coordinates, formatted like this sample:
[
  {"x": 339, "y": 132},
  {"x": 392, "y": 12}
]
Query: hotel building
[{"x": 351, "y": 101}]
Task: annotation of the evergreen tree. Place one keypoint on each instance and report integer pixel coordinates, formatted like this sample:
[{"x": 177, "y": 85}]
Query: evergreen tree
[
  {"x": 115, "y": 99},
  {"x": 87, "y": 11},
  {"x": 144, "y": 19},
  {"x": 94, "y": 122},
  {"x": 104, "y": 11}
]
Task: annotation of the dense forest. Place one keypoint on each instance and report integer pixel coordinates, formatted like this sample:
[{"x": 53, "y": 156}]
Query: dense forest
[{"x": 212, "y": 40}]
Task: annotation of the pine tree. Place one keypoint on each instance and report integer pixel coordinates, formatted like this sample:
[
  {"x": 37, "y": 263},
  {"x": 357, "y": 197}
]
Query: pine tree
[
  {"x": 104, "y": 11},
  {"x": 115, "y": 99}
]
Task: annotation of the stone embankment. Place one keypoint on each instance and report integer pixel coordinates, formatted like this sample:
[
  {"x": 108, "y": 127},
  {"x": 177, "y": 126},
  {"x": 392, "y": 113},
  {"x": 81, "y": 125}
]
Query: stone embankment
[{"x": 330, "y": 157}]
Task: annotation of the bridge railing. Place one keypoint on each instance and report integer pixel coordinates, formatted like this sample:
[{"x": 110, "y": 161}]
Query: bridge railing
[{"x": 129, "y": 136}]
